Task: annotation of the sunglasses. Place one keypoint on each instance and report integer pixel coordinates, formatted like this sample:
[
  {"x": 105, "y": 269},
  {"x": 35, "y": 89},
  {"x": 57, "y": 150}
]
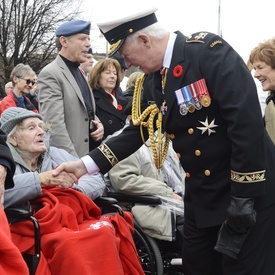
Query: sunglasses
[{"x": 28, "y": 81}]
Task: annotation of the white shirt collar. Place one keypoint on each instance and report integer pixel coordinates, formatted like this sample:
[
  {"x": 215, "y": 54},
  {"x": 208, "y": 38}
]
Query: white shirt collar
[{"x": 169, "y": 50}]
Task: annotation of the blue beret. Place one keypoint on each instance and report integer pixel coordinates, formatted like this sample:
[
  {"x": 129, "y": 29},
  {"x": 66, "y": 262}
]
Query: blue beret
[{"x": 73, "y": 27}]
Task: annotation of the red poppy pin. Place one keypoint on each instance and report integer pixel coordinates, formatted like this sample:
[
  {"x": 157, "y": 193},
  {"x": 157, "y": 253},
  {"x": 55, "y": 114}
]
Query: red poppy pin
[
  {"x": 119, "y": 107},
  {"x": 178, "y": 70}
]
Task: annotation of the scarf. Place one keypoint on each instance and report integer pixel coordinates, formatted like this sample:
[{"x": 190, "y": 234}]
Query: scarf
[
  {"x": 270, "y": 116},
  {"x": 27, "y": 102}
]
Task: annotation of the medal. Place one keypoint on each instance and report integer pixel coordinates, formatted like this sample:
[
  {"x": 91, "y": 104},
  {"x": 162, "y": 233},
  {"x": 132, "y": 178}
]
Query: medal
[
  {"x": 182, "y": 106},
  {"x": 198, "y": 105},
  {"x": 205, "y": 101},
  {"x": 191, "y": 108},
  {"x": 205, "y": 98},
  {"x": 183, "y": 110},
  {"x": 187, "y": 94},
  {"x": 195, "y": 96}
]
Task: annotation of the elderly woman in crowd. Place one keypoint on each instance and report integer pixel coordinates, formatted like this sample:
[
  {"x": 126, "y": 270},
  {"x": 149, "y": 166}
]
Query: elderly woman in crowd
[
  {"x": 23, "y": 79},
  {"x": 262, "y": 60},
  {"x": 63, "y": 212},
  {"x": 104, "y": 80}
]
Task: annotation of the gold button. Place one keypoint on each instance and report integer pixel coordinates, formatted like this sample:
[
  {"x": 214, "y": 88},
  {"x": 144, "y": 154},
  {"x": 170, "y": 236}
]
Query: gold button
[
  {"x": 197, "y": 153},
  {"x": 172, "y": 136},
  {"x": 187, "y": 175},
  {"x": 207, "y": 173},
  {"x": 178, "y": 154},
  {"x": 190, "y": 131}
]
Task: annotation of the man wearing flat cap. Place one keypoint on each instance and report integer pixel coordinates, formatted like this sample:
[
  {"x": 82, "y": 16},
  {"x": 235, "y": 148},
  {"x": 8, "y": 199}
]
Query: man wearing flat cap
[
  {"x": 203, "y": 97},
  {"x": 65, "y": 98}
]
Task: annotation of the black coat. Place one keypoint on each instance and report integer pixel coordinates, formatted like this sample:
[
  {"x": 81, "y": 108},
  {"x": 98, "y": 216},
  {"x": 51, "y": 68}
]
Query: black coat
[
  {"x": 129, "y": 92},
  {"x": 6, "y": 160},
  {"x": 224, "y": 148},
  {"x": 111, "y": 118}
]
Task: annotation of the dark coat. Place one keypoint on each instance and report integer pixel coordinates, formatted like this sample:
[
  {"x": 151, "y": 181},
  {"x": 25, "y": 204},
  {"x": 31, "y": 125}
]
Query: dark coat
[
  {"x": 112, "y": 119},
  {"x": 224, "y": 148},
  {"x": 129, "y": 93},
  {"x": 6, "y": 160}
]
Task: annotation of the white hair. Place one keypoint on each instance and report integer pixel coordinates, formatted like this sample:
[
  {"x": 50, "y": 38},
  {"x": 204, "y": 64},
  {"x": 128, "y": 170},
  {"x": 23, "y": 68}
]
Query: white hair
[{"x": 155, "y": 30}]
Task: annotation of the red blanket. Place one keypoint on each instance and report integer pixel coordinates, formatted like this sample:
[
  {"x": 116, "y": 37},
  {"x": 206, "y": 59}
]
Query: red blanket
[
  {"x": 11, "y": 260},
  {"x": 76, "y": 239}
]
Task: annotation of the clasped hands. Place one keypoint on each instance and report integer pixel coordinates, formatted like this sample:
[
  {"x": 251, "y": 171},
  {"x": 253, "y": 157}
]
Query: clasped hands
[
  {"x": 63, "y": 179},
  {"x": 65, "y": 175}
]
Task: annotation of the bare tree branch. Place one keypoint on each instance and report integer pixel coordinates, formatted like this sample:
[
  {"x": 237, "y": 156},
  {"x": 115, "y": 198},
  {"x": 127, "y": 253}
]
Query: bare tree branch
[{"x": 27, "y": 31}]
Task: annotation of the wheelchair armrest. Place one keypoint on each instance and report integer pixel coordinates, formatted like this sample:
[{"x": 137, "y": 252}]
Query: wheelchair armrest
[
  {"x": 109, "y": 203},
  {"x": 143, "y": 199},
  {"x": 105, "y": 201},
  {"x": 17, "y": 214}
]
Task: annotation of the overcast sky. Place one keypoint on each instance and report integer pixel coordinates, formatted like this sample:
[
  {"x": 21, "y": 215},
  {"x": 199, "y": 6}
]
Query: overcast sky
[{"x": 244, "y": 23}]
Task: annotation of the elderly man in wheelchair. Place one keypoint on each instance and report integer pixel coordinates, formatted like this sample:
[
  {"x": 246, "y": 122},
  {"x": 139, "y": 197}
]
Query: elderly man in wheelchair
[{"x": 75, "y": 237}]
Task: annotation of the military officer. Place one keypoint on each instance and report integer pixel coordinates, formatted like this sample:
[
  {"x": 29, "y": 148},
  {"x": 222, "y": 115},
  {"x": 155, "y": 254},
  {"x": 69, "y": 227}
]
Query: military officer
[{"x": 201, "y": 94}]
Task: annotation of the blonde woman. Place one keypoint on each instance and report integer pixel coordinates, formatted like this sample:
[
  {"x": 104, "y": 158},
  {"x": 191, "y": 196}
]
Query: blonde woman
[
  {"x": 130, "y": 86},
  {"x": 262, "y": 59}
]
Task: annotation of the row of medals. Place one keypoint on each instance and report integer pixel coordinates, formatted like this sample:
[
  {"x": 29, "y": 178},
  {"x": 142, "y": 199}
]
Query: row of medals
[{"x": 205, "y": 101}]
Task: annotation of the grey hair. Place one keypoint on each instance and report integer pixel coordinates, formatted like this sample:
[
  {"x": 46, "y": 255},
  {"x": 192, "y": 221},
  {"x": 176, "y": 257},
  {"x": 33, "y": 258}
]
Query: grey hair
[
  {"x": 13, "y": 131},
  {"x": 57, "y": 42},
  {"x": 21, "y": 70}
]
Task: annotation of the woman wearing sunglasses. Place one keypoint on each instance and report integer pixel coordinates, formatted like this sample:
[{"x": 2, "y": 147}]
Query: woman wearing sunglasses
[{"x": 23, "y": 79}]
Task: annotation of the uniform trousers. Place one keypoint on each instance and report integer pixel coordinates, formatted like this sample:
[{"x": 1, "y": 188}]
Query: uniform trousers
[{"x": 257, "y": 256}]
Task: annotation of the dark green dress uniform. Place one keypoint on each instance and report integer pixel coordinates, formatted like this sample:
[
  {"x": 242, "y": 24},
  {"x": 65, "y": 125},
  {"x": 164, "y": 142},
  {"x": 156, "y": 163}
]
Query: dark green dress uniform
[{"x": 213, "y": 116}]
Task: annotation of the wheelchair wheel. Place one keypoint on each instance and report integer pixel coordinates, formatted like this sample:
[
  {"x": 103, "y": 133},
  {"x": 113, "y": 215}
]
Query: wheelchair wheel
[{"x": 148, "y": 252}]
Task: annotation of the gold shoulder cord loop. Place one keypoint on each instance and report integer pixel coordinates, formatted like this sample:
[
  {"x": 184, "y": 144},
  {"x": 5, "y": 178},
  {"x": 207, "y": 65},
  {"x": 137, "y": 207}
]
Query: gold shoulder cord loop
[{"x": 138, "y": 118}]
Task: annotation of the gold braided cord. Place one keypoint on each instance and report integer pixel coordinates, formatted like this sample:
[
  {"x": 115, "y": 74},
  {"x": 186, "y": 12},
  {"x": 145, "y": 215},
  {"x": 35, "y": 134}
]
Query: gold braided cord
[{"x": 138, "y": 118}]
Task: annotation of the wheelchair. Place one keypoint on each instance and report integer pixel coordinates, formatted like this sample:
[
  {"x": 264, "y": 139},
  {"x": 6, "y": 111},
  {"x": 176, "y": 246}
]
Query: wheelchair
[
  {"x": 155, "y": 258},
  {"x": 18, "y": 215},
  {"x": 158, "y": 257},
  {"x": 107, "y": 205}
]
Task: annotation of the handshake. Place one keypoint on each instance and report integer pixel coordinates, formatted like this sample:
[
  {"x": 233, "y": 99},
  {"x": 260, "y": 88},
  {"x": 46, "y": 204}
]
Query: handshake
[{"x": 241, "y": 216}]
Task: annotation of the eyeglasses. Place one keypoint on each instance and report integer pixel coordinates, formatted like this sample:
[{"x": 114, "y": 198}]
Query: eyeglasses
[{"x": 28, "y": 81}]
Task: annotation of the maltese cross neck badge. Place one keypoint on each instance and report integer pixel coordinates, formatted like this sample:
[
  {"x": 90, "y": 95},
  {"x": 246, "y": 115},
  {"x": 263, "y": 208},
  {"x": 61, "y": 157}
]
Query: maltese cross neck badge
[{"x": 207, "y": 126}]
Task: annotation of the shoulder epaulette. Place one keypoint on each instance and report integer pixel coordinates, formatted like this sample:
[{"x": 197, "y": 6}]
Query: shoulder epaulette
[{"x": 197, "y": 37}]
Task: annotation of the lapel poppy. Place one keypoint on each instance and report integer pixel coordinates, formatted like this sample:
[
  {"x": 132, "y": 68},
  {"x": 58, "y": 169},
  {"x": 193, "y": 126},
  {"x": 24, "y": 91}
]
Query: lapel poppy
[{"x": 177, "y": 71}]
